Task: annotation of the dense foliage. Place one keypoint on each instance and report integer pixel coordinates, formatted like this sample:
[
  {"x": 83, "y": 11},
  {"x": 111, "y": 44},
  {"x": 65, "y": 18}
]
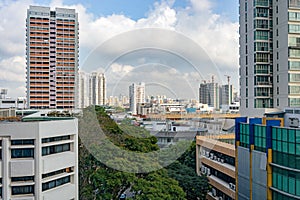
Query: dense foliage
[{"x": 97, "y": 181}]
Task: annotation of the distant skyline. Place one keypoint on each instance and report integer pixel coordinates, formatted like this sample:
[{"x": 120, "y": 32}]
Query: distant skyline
[{"x": 212, "y": 24}]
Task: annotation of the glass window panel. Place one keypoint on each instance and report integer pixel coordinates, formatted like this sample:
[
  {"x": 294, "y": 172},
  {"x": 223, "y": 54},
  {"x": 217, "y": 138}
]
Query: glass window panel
[
  {"x": 279, "y": 133},
  {"x": 279, "y": 181},
  {"x": 292, "y": 135},
  {"x": 292, "y": 148},
  {"x": 292, "y": 185},
  {"x": 298, "y": 149},
  {"x": 298, "y": 186},
  {"x": 285, "y": 183},
  {"x": 298, "y": 136},
  {"x": 284, "y": 134},
  {"x": 279, "y": 146},
  {"x": 285, "y": 147},
  {"x": 274, "y": 145}
]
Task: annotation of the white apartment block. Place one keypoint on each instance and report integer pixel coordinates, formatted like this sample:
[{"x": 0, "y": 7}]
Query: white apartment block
[
  {"x": 38, "y": 161},
  {"x": 97, "y": 89},
  {"x": 136, "y": 95},
  {"x": 269, "y": 55},
  {"x": 83, "y": 90}
]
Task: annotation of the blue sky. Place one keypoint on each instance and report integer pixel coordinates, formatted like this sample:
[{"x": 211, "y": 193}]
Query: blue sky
[
  {"x": 136, "y": 9},
  {"x": 211, "y": 24}
]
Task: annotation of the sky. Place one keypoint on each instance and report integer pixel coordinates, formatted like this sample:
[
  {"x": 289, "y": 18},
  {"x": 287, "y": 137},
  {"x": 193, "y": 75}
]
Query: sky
[{"x": 190, "y": 41}]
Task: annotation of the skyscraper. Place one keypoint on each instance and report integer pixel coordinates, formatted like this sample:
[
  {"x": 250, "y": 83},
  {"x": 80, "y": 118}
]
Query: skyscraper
[
  {"x": 83, "y": 98},
  {"x": 209, "y": 94},
  {"x": 52, "y": 57},
  {"x": 269, "y": 55},
  {"x": 97, "y": 89},
  {"x": 136, "y": 95},
  {"x": 226, "y": 94}
]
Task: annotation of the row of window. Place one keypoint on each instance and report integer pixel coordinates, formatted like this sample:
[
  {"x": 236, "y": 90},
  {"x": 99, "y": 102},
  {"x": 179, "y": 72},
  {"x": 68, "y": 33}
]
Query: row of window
[
  {"x": 55, "y": 139},
  {"x": 286, "y": 181},
  {"x": 55, "y": 149},
  {"x": 56, "y": 183}
]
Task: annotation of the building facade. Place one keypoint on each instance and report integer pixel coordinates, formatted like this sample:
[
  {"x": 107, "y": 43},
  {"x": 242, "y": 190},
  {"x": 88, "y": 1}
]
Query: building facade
[
  {"x": 269, "y": 55},
  {"x": 83, "y": 91},
  {"x": 226, "y": 95},
  {"x": 209, "y": 94},
  {"x": 136, "y": 95},
  {"x": 37, "y": 161},
  {"x": 268, "y": 159},
  {"x": 97, "y": 89},
  {"x": 216, "y": 159},
  {"x": 52, "y": 57}
]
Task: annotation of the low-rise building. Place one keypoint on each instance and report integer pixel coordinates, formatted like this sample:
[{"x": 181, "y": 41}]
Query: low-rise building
[
  {"x": 39, "y": 158},
  {"x": 268, "y": 159},
  {"x": 215, "y": 157}
]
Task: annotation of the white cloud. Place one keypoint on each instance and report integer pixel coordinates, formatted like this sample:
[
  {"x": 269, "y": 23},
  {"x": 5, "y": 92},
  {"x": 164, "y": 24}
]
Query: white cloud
[
  {"x": 218, "y": 36},
  {"x": 13, "y": 69}
]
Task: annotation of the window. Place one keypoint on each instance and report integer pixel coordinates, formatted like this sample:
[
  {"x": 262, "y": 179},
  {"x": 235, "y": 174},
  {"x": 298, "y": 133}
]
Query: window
[
  {"x": 28, "y": 189},
  {"x": 294, "y": 77},
  {"x": 261, "y": 57},
  {"x": 55, "y": 149},
  {"x": 293, "y": 89},
  {"x": 294, "y": 53},
  {"x": 294, "y": 65},
  {"x": 56, "y": 183},
  {"x": 23, "y": 178},
  {"x": 55, "y": 139},
  {"x": 294, "y": 16},
  {"x": 261, "y": 23},
  {"x": 261, "y": 69},
  {"x": 22, "y": 153},
  {"x": 261, "y": 12},
  {"x": 294, "y": 28},
  {"x": 261, "y": 46},
  {"x": 294, "y": 4},
  {"x": 261, "y": 3},
  {"x": 22, "y": 142},
  {"x": 294, "y": 102},
  {"x": 66, "y": 170},
  {"x": 261, "y": 35}
]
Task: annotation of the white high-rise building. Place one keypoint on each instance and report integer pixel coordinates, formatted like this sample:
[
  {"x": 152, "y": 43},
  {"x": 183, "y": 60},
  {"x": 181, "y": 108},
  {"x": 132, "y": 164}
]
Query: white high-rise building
[
  {"x": 97, "y": 89},
  {"x": 83, "y": 99},
  {"x": 136, "y": 95},
  {"x": 269, "y": 55},
  {"x": 39, "y": 159}
]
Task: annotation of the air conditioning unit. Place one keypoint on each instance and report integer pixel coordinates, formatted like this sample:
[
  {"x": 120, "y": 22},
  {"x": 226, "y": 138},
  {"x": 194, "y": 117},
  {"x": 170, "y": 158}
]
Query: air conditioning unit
[
  {"x": 202, "y": 169},
  {"x": 215, "y": 157},
  {"x": 222, "y": 160},
  {"x": 208, "y": 172},
  {"x": 230, "y": 185},
  {"x": 207, "y": 154},
  {"x": 294, "y": 122},
  {"x": 218, "y": 159},
  {"x": 233, "y": 186},
  {"x": 211, "y": 156},
  {"x": 214, "y": 192}
]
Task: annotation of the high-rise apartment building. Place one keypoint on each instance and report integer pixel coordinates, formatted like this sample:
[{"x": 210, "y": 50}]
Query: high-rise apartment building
[
  {"x": 136, "y": 95},
  {"x": 38, "y": 161},
  {"x": 226, "y": 94},
  {"x": 83, "y": 98},
  {"x": 209, "y": 94},
  {"x": 97, "y": 89},
  {"x": 52, "y": 57},
  {"x": 269, "y": 55}
]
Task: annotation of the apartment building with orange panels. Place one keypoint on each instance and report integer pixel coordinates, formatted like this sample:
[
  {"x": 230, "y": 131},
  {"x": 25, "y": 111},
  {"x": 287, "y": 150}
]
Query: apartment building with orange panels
[
  {"x": 52, "y": 58},
  {"x": 215, "y": 158}
]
